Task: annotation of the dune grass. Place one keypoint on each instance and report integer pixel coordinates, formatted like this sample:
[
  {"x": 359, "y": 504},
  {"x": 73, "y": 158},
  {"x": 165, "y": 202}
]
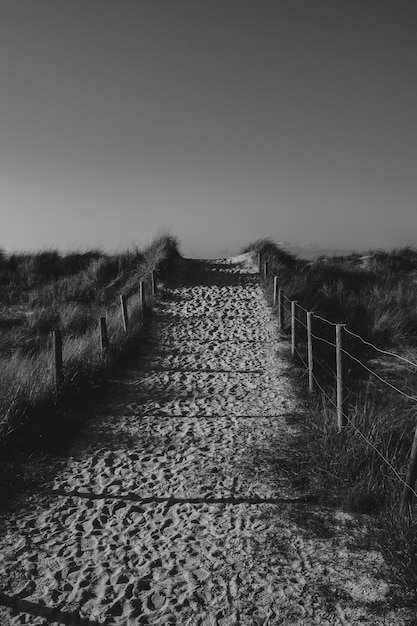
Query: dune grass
[
  {"x": 46, "y": 291},
  {"x": 375, "y": 295}
]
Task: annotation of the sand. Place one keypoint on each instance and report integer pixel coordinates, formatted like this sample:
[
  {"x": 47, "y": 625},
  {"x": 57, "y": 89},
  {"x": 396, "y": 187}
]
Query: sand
[{"x": 168, "y": 510}]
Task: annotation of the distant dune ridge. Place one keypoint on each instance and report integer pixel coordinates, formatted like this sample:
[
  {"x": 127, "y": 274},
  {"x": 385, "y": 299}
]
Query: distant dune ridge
[{"x": 312, "y": 251}]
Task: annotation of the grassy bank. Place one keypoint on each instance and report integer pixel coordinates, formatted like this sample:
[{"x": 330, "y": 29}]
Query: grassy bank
[
  {"x": 375, "y": 295},
  {"x": 45, "y": 291}
]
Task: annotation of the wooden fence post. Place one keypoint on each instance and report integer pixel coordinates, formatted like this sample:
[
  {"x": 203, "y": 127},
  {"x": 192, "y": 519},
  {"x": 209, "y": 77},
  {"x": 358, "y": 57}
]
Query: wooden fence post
[
  {"x": 125, "y": 317},
  {"x": 104, "y": 337},
  {"x": 58, "y": 358},
  {"x": 410, "y": 481},
  {"x": 293, "y": 329},
  {"x": 340, "y": 377},
  {"x": 259, "y": 263},
  {"x": 281, "y": 310},
  {"x": 275, "y": 291},
  {"x": 153, "y": 283},
  {"x": 266, "y": 270},
  {"x": 142, "y": 296},
  {"x": 310, "y": 352}
]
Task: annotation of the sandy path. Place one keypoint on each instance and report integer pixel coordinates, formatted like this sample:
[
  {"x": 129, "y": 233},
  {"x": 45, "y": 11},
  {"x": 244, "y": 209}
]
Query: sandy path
[{"x": 164, "y": 514}]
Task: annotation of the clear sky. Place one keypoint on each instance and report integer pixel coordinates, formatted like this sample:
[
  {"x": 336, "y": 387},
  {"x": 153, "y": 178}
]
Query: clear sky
[{"x": 220, "y": 120}]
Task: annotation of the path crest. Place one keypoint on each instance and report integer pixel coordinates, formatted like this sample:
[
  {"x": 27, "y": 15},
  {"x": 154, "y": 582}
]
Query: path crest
[{"x": 168, "y": 511}]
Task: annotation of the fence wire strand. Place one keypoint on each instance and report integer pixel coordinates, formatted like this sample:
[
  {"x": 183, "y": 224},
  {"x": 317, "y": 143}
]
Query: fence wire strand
[
  {"x": 301, "y": 358},
  {"x": 323, "y": 319},
  {"x": 332, "y": 345},
  {"x": 331, "y": 373},
  {"x": 397, "y": 356},
  {"x": 302, "y": 308},
  {"x": 406, "y": 395},
  {"x": 326, "y": 395},
  {"x": 302, "y": 323}
]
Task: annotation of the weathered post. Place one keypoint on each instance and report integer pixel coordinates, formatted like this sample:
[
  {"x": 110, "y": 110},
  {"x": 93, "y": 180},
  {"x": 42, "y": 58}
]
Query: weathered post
[
  {"x": 259, "y": 263},
  {"x": 57, "y": 338},
  {"x": 104, "y": 337},
  {"x": 153, "y": 283},
  {"x": 340, "y": 377},
  {"x": 281, "y": 310},
  {"x": 142, "y": 296},
  {"x": 310, "y": 352},
  {"x": 125, "y": 317},
  {"x": 410, "y": 481},
  {"x": 266, "y": 268},
  {"x": 275, "y": 296},
  {"x": 293, "y": 326}
]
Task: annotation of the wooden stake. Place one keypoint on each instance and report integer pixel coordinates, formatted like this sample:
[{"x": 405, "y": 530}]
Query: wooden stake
[
  {"x": 57, "y": 337},
  {"x": 153, "y": 283},
  {"x": 266, "y": 270},
  {"x": 281, "y": 310},
  {"x": 340, "y": 377},
  {"x": 142, "y": 296},
  {"x": 410, "y": 481},
  {"x": 310, "y": 352},
  {"x": 259, "y": 263},
  {"x": 293, "y": 329},
  {"x": 275, "y": 291},
  {"x": 104, "y": 338},
  {"x": 125, "y": 317}
]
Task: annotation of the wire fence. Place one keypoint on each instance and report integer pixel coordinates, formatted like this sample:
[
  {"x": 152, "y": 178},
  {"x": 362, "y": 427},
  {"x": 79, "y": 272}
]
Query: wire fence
[
  {"x": 336, "y": 360},
  {"x": 103, "y": 331},
  {"x": 66, "y": 364},
  {"x": 48, "y": 342}
]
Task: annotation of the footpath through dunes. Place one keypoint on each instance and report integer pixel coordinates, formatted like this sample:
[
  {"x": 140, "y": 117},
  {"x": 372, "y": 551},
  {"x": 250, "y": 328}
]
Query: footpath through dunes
[{"x": 175, "y": 506}]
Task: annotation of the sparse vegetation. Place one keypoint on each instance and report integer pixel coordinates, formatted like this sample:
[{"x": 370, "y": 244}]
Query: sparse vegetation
[
  {"x": 376, "y": 296},
  {"x": 45, "y": 291}
]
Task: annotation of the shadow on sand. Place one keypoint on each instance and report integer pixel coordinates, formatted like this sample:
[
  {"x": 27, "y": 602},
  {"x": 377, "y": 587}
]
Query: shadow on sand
[{"x": 49, "y": 614}]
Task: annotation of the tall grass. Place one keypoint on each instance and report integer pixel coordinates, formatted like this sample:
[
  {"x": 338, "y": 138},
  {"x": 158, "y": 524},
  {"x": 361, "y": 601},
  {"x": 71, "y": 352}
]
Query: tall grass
[
  {"x": 70, "y": 293},
  {"x": 376, "y": 296}
]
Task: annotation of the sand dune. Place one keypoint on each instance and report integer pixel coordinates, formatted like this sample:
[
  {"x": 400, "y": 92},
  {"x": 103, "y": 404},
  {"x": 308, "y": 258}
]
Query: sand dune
[{"x": 167, "y": 511}]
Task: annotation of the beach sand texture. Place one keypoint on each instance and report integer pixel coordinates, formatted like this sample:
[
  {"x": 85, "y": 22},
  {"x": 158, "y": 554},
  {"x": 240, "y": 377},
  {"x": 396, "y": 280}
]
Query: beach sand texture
[{"x": 168, "y": 511}]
